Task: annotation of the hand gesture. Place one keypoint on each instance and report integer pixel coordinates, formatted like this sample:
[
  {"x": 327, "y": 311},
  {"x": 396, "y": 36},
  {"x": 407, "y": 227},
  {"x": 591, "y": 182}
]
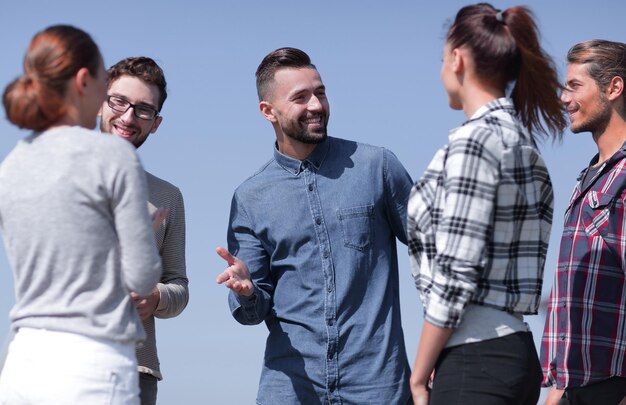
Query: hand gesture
[{"x": 236, "y": 276}]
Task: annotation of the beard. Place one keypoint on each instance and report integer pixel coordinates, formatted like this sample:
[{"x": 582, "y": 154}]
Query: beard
[
  {"x": 309, "y": 137},
  {"x": 298, "y": 131},
  {"x": 597, "y": 122}
]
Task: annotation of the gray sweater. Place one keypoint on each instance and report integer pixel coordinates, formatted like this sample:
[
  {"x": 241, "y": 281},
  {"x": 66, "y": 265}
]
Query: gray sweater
[{"x": 77, "y": 233}]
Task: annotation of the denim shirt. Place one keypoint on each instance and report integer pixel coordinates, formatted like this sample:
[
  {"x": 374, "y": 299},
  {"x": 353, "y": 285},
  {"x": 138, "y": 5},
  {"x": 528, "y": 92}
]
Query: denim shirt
[{"x": 318, "y": 236}]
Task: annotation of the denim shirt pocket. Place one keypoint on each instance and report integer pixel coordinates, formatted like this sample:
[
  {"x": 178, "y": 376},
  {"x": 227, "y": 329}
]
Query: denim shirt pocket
[
  {"x": 357, "y": 226},
  {"x": 597, "y": 213}
]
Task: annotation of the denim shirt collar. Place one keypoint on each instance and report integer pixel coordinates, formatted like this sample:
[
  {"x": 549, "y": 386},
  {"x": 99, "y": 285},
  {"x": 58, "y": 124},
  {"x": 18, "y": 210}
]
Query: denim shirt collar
[{"x": 296, "y": 166}]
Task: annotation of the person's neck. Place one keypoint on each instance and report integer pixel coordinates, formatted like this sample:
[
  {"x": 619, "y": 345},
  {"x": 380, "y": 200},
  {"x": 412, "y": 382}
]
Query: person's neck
[
  {"x": 72, "y": 117},
  {"x": 294, "y": 149},
  {"x": 611, "y": 138},
  {"x": 477, "y": 95}
]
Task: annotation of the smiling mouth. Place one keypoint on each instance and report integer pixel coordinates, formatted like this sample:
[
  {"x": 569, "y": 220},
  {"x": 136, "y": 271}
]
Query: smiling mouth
[
  {"x": 123, "y": 132},
  {"x": 313, "y": 121}
]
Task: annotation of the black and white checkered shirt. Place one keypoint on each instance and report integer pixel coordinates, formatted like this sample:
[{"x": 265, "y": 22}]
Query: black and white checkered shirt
[{"x": 479, "y": 219}]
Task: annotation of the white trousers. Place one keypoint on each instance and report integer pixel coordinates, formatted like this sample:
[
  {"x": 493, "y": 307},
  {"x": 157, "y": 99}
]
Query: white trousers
[{"x": 57, "y": 368}]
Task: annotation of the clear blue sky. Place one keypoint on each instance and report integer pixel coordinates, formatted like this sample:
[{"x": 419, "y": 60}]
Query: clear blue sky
[{"x": 380, "y": 62}]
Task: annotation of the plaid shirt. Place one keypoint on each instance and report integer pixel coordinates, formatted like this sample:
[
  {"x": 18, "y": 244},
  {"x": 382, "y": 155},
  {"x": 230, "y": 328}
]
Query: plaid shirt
[
  {"x": 585, "y": 334},
  {"x": 479, "y": 220}
]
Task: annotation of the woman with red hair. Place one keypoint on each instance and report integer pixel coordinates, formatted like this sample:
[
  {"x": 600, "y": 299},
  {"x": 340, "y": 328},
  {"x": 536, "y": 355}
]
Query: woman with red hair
[{"x": 77, "y": 233}]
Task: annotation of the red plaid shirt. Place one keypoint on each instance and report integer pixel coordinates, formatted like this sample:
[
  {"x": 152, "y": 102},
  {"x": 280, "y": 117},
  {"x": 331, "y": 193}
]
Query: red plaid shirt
[{"x": 585, "y": 333}]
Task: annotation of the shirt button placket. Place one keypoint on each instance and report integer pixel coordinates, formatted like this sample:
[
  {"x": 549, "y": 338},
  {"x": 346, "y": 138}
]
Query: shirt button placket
[
  {"x": 332, "y": 363},
  {"x": 332, "y": 372}
]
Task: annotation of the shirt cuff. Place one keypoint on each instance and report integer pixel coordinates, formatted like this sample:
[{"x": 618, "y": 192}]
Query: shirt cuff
[
  {"x": 444, "y": 314},
  {"x": 164, "y": 300},
  {"x": 247, "y": 301}
]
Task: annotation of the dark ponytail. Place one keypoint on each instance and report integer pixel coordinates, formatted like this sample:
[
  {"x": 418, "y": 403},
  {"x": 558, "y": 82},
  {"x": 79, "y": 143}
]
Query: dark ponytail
[
  {"x": 36, "y": 100},
  {"x": 505, "y": 47}
]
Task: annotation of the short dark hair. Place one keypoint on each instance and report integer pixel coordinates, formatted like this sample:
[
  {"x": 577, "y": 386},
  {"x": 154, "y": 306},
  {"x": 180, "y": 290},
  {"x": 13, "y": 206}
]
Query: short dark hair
[
  {"x": 143, "y": 68},
  {"x": 603, "y": 60},
  {"x": 275, "y": 60}
]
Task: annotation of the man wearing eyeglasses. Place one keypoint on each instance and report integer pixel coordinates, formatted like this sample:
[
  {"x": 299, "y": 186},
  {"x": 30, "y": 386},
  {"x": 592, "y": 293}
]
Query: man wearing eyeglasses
[{"x": 136, "y": 93}]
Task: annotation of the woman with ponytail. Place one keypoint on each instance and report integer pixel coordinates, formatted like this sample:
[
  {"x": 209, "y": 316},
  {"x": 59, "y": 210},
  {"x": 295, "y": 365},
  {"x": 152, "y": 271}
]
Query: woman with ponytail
[
  {"x": 77, "y": 233},
  {"x": 479, "y": 219}
]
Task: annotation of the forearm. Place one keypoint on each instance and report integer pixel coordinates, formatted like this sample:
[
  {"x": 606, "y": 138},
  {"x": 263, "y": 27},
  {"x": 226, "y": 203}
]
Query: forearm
[
  {"x": 252, "y": 265},
  {"x": 174, "y": 298},
  {"x": 432, "y": 342}
]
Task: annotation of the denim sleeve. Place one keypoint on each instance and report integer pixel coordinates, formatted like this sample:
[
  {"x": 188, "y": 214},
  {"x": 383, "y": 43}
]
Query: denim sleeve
[
  {"x": 245, "y": 245},
  {"x": 398, "y": 185}
]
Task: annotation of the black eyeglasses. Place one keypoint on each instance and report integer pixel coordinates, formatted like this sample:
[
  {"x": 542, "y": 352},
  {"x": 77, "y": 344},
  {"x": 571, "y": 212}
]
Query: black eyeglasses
[{"x": 141, "y": 111}]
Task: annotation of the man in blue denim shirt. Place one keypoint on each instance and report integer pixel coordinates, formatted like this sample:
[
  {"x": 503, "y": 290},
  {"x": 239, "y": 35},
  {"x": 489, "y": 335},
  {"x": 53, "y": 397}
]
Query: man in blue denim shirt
[{"x": 316, "y": 226}]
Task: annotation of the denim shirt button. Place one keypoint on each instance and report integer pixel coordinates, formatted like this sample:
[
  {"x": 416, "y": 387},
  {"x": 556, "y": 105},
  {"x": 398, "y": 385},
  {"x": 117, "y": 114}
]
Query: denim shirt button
[
  {"x": 330, "y": 321},
  {"x": 329, "y": 288},
  {"x": 325, "y": 254},
  {"x": 310, "y": 187},
  {"x": 318, "y": 221}
]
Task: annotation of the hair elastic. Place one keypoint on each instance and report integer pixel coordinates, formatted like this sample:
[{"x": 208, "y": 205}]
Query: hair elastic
[{"x": 500, "y": 16}]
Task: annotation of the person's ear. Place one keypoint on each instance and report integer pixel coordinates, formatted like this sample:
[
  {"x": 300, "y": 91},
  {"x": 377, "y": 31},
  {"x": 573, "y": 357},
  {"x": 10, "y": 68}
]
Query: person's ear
[
  {"x": 80, "y": 80},
  {"x": 267, "y": 110},
  {"x": 615, "y": 89},
  {"x": 157, "y": 122},
  {"x": 458, "y": 61}
]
